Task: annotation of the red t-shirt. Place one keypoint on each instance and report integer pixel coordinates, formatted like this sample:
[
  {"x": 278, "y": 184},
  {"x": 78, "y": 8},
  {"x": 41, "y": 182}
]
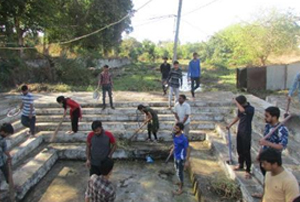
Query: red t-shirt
[
  {"x": 111, "y": 137},
  {"x": 73, "y": 106}
]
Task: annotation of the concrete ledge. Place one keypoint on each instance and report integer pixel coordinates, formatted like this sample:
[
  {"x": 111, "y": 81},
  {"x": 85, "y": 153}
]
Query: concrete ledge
[{"x": 81, "y": 136}]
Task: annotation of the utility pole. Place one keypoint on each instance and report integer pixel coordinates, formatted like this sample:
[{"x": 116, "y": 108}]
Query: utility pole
[{"x": 177, "y": 31}]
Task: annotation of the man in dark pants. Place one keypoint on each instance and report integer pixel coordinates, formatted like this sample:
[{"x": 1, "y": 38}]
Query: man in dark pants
[
  {"x": 245, "y": 116},
  {"x": 105, "y": 80},
  {"x": 100, "y": 145},
  {"x": 165, "y": 69},
  {"x": 194, "y": 73},
  {"x": 28, "y": 111}
]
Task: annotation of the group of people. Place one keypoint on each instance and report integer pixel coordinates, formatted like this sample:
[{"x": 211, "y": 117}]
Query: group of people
[
  {"x": 280, "y": 184},
  {"x": 172, "y": 78}
]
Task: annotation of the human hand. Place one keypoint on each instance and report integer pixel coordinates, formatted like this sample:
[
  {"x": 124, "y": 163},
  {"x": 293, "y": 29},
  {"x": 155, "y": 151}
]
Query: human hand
[
  {"x": 289, "y": 98},
  {"x": 263, "y": 142},
  {"x": 88, "y": 164},
  {"x": 186, "y": 164},
  {"x": 228, "y": 127},
  {"x": 30, "y": 116}
]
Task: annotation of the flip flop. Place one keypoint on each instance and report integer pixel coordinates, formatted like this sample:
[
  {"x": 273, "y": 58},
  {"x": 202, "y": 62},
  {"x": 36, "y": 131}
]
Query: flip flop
[{"x": 257, "y": 195}]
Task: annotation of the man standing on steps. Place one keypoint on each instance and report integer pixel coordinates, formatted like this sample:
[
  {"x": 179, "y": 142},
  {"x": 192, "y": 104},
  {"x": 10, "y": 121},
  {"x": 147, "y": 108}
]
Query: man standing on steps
[
  {"x": 165, "y": 69},
  {"x": 105, "y": 80},
  {"x": 278, "y": 140},
  {"x": 28, "y": 111},
  {"x": 280, "y": 185},
  {"x": 100, "y": 145},
  {"x": 175, "y": 81},
  {"x": 243, "y": 138},
  {"x": 194, "y": 73},
  {"x": 182, "y": 112},
  {"x": 296, "y": 84}
]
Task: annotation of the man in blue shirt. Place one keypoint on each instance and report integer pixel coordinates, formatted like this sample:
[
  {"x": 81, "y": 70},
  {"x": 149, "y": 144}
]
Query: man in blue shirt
[
  {"x": 296, "y": 84},
  {"x": 194, "y": 73},
  {"x": 181, "y": 153}
]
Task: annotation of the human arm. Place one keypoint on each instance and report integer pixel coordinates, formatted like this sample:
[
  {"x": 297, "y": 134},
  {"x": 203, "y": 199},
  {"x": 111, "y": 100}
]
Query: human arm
[
  {"x": 112, "y": 142},
  {"x": 99, "y": 81},
  {"x": 88, "y": 152},
  {"x": 240, "y": 107},
  {"x": 113, "y": 148},
  {"x": 188, "y": 154},
  {"x": 189, "y": 71},
  {"x": 236, "y": 119},
  {"x": 148, "y": 116},
  {"x": 31, "y": 110},
  {"x": 283, "y": 135},
  {"x": 21, "y": 106}
]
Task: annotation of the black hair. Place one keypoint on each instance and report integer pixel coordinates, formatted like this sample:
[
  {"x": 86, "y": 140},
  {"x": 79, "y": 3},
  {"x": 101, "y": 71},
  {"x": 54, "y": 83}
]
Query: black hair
[
  {"x": 165, "y": 58},
  {"x": 241, "y": 99},
  {"x": 195, "y": 53},
  {"x": 106, "y": 66},
  {"x": 141, "y": 107},
  {"x": 24, "y": 88},
  {"x": 63, "y": 100},
  {"x": 272, "y": 156},
  {"x": 175, "y": 62},
  {"x": 7, "y": 128},
  {"x": 96, "y": 124},
  {"x": 273, "y": 111},
  {"x": 183, "y": 96},
  {"x": 297, "y": 199},
  {"x": 180, "y": 125},
  {"x": 106, "y": 166}
]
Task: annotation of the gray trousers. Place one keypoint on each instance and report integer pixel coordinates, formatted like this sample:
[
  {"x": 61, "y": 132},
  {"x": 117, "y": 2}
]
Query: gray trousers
[
  {"x": 107, "y": 88},
  {"x": 176, "y": 92}
]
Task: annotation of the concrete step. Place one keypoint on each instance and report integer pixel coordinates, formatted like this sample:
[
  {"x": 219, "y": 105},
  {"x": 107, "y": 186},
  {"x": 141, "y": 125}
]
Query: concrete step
[
  {"x": 163, "y": 136},
  {"x": 84, "y": 126},
  {"x": 16, "y": 138},
  {"x": 19, "y": 152},
  {"x": 133, "y": 151},
  {"x": 248, "y": 186},
  {"x": 197, "y": 103},
  {"x": 30, "y": 173},
  {"x": 206, "y": 116},
  {"x": 131, "y": 111}
]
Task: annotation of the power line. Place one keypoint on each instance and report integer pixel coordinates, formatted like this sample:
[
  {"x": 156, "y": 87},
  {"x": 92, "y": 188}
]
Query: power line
[
  {"x": 203, "y": 6},
  {"x": 158, "y": 19},
  {"x": 86, "y": 35}
]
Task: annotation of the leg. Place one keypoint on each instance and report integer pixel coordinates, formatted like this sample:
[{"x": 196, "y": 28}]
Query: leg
[
  {"x": 239, "y": 148},
  {"x": 103, "y": 95},
  {"x": 192, "y": 86},
  {"x": 75, "y": 118},
  {"x": 186, "y": 129},
  {"x": 32, "y": 125},
  {"x": 247, "y": 153},
  {"x": 170, "y": 96},
  {"x": 164, "y": 86},
  {"x": 4, "y": 170},
  {"x": 176, "y": 90},
  {"x": 110, "y": 97},
  {"x": 149, "y": 130},
  {"x": 197, "y": 83},
  {"x": 25, "y": 121},
  {"x": 155, "y": 136},
  {"x": 179, "y": 166}
]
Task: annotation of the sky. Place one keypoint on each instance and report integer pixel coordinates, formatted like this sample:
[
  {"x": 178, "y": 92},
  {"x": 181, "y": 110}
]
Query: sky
[{"x": 199, "y": 25}]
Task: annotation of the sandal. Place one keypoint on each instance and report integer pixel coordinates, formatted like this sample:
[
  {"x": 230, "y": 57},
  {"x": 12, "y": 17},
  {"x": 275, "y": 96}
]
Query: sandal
[
  {"x": 248, "y": 175},
  {"x": 257, "y": 195}
]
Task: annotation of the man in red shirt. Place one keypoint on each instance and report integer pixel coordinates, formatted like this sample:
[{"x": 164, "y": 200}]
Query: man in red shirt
[
  {"x": 100, "y": 145},
  {"x": 105, "y": 80}
]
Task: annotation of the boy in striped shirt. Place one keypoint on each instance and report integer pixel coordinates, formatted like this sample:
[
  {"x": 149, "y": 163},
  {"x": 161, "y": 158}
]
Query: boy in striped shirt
[
  {"x": 28, "y": 111},
  {"x": 175, "y": 81}
]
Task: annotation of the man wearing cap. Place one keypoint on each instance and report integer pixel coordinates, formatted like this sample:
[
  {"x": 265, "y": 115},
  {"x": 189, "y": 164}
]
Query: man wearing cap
[{"x": 165, "y": 69}]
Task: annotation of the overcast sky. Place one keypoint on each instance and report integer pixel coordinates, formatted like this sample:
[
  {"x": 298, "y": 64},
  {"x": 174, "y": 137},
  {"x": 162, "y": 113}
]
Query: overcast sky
[{"x": 198, "y": 25}]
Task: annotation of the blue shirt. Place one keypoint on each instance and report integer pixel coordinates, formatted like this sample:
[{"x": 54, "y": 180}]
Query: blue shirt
[
  {"x": 194, "y": 69},
  {"x": 280, "y": 136},
  {"x": 295, "y": 85},
  {"x": 181, "y": 144},
  {"x": 27, "y": 101}
]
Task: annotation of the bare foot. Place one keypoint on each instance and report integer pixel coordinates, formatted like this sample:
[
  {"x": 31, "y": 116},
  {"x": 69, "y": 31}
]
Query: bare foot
[
  {"x": 178, "y": 192},
  {"x": 70, "y": 132},
  {"x": 257, "y": 195},
  {"x": 248, "y": 175},
  {"x": 238, "y": 168}
]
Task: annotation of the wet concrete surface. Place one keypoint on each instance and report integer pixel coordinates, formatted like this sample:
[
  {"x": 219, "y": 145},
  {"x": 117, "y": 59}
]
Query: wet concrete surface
[{"x": 134, "y": 181}]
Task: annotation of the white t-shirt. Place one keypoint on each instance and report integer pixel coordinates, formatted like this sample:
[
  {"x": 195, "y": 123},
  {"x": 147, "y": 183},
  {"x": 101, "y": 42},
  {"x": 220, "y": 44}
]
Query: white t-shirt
[{"x": 182, "y": 110}]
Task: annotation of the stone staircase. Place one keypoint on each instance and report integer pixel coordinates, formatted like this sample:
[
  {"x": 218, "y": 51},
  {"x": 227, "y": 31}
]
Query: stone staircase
[{"x": 33, "y": 158}]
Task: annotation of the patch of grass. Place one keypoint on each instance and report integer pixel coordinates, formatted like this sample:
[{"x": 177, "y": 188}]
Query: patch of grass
[{"x": 226, "y": 188}]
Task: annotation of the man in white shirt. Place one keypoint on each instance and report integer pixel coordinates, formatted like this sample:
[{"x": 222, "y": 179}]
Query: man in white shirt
[{"x": 182, "y": 112}]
